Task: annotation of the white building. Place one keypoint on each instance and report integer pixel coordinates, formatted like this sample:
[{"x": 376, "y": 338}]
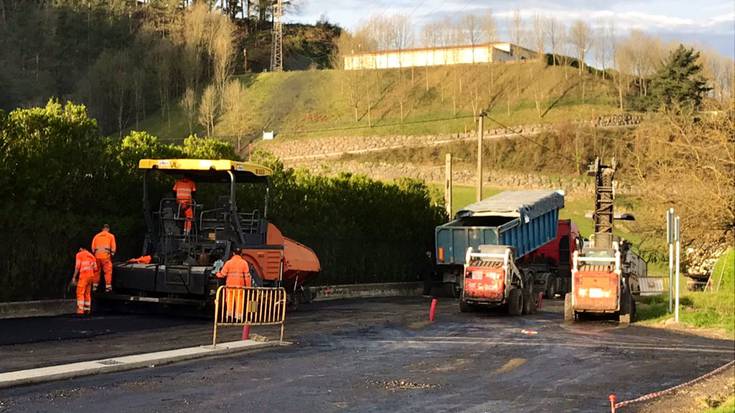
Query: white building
[{"x": 437, "y": 56}]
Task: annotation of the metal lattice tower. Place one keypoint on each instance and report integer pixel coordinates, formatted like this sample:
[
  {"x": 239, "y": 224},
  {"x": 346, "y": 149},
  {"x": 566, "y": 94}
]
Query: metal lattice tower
[
  {"x": 604, "y": 199},
  {"x": 277, "y": 47}
]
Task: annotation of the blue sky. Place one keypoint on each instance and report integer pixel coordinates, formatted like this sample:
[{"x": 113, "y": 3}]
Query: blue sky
[{"x": 708, "y": 23}]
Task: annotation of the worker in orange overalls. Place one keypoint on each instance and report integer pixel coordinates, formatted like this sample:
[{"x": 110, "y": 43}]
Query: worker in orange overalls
[
  {"x": 104, "y": 248},
  {"x": 185, "y": 188},
  {"x": 85, "y": 271},
  {"x": 237, "y": 271}
]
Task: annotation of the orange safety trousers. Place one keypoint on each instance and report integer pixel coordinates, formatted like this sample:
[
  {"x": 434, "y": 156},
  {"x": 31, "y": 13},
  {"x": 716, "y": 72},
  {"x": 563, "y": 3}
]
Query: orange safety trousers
[
  {"x": 235, "y": 297},
  {"x": 188, "y": 211},
  {"x": 104, "y": 265},
  {"x": 84, "y": 292}
]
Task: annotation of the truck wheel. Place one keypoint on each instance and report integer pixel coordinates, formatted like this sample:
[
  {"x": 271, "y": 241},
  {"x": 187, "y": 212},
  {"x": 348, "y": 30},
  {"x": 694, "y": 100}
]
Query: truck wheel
[
  {"x": 515, "y": 302},
  {"x": 293, "y": 304},
  {"x": 465, "y": 307},
  {"x": 626, "y": 304},
  {"x": 568, "y": 309},
  {"x": 551, "y": 288},
  {"x": 529, "y": 304}
]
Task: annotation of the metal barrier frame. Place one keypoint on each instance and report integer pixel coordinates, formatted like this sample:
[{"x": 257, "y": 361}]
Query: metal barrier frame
[{"x": 272, "y": 297}]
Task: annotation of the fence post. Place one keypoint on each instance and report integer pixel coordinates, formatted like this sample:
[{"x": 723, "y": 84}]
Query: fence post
[
  {"x": 216, "y": 312},
  {"x": 480, "y": 131},
  {"x": 670, "y": 238},
  {"x": 448, "y": 184},
  {"x": 677, "y": 236}
]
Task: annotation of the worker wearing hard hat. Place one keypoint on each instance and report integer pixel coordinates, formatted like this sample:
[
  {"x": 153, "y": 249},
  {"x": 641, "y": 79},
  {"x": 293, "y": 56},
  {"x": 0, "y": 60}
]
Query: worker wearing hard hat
[
  {"x": 85, "y": 272},
  {"x": 104, "y": 248},
  {"x": 185, "y": 188},
  {"x": 237, "y": 271}
]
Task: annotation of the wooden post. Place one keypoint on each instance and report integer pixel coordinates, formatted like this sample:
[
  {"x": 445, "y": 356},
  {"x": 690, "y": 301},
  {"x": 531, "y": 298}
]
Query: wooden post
[
  {"x": 480, "y": 128},
  {"x": 448, "y": 184}
]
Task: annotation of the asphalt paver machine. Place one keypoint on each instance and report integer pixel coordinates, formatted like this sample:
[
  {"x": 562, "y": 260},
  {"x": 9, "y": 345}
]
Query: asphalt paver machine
[{"x": 182, "y": 264}]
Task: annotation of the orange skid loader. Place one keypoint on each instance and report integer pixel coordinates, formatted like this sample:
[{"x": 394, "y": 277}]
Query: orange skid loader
[
  {"x": 599, "y": 286},
  {"x": 602, "y": 273}
]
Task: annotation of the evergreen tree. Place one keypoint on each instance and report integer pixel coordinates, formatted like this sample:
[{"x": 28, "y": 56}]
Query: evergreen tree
[{"x": 679, "y": 81}]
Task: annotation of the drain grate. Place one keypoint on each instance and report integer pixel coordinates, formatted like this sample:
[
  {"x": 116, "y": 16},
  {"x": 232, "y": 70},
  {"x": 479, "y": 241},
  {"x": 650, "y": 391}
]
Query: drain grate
[{"x": 110, "y": 362}]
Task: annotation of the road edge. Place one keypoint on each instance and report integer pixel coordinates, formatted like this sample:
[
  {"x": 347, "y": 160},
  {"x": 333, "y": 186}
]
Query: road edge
[{"x": 126, "y": 363}]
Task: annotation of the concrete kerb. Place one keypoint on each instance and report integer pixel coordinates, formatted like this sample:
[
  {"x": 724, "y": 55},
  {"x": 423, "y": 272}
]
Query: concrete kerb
[
  {"x": 118, "y": 364},
  {"x": 40, "y": 308},
  {"x": 376, "y": 290}
]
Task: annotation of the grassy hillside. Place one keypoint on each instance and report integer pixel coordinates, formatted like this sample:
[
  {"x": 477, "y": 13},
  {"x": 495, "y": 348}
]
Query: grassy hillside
[
  {"x": 711, "y": 309},
  {"x": 333, "y": 102}
]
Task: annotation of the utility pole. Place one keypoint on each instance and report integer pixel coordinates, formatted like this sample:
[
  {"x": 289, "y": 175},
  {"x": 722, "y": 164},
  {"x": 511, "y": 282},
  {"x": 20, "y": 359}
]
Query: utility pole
[
  {"x": 277, "y": 47},
  {"x": 480, "y": 130},
  {"x": 448, "y": 184}
]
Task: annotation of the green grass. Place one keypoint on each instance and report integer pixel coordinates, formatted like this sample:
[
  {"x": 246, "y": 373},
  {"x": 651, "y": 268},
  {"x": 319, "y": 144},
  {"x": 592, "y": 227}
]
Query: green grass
[
  {"x": 711, "y": 309},
  {"x": 319, "y": 103},
  {"x": 728, "y": 406}
]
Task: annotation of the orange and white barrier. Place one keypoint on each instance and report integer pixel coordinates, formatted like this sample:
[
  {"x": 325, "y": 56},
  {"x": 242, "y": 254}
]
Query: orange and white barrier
[{"x": 249, "y": 306}]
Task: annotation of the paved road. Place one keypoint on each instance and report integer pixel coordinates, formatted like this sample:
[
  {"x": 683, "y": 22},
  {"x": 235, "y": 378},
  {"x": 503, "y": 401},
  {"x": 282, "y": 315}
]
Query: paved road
[{"x": 367, "y": 356}]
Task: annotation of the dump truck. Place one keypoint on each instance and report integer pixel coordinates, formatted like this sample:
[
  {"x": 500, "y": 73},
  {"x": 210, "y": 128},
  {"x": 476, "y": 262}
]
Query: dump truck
[
  {"x": 481, "y": 251},
  {"x": 183, "y": 264},
  {"x": 605, "y": 272}
]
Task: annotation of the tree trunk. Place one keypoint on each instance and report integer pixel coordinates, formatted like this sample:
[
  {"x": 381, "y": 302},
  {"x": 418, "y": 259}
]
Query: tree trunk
[{"x": 427, "y": 77}]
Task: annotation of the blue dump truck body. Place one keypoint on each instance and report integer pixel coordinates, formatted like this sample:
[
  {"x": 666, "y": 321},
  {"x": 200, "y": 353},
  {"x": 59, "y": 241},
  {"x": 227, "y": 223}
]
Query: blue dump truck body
[{"x": 524, "y": 220}]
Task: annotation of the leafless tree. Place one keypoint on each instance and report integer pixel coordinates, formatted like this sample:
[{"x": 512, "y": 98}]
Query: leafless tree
[
  {"x": 539, "y": 37},
  {"x": 647, "y": 54},
  {"x": 351, "y": 79},
  {"x": 472, "y": 30},
  {"x": 580, "y": 35},
  {"x": 554, "y": 31},
  {"x": 209, "y": 109},
  {"x": 517, "y": 30},
  {"x": 490, "y": 34},
  {"x": 431, "y": 36},
  {"x": 188, "y": 102},
  {"x": 222, "y": 50},
  {"x": 234, "y": 110}
]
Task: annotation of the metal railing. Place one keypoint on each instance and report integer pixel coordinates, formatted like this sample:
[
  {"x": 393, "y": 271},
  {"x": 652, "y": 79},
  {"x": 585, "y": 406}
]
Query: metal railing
[{"x": 249, "y": 306}]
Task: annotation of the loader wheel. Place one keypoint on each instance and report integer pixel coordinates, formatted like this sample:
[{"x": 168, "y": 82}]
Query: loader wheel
[
  {"x": 529, "y": 304},
  {"x": 465, "y": 307},
  {"x": 568, "y": 309},
  {"x": 515, "y": 302},
  {"x": 626, "y": 308}
]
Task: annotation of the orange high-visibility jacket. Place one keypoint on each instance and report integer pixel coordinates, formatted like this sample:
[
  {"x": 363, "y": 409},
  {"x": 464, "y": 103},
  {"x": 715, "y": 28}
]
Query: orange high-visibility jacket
[
  {"x": 103, "y": 245},
  {"x": 86, "y": 264},
  {"x": 237, "y": 271},
  {"x": 184, "y": 188},
  {"x": 145, "y": 259}
]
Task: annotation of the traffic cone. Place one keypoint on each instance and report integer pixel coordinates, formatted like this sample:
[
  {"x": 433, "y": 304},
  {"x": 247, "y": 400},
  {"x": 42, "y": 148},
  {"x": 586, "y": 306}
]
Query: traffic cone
[{"x": 432, "y": 310}]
